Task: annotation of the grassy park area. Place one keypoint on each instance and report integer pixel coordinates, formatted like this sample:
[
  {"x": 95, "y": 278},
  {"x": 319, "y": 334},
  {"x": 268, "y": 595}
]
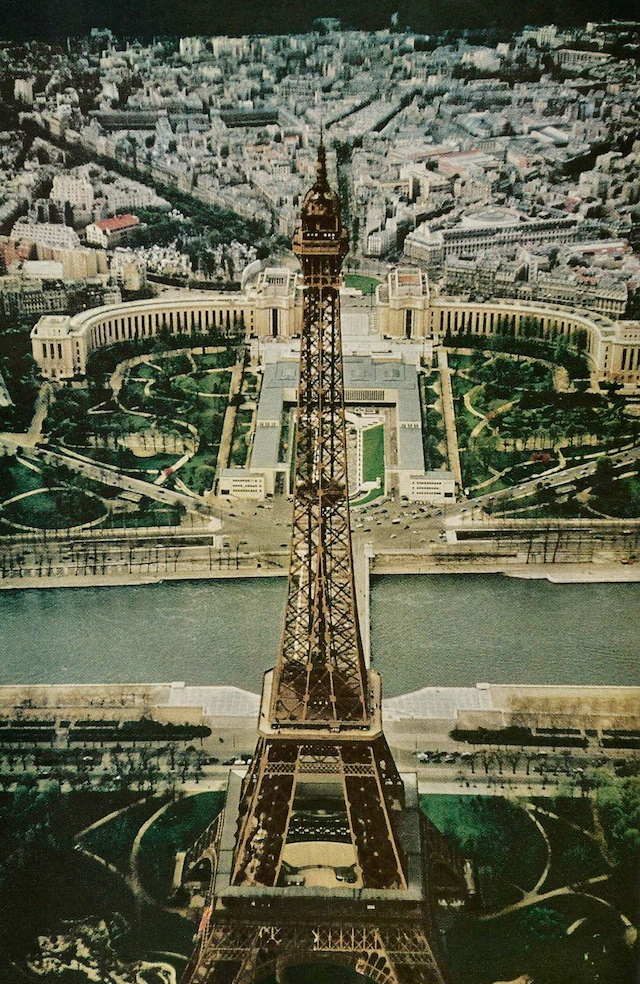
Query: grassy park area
[
  {"x": 205, "y": 383},
  {"x": 522, "y": 852},
  {"x": 53, "y": 509},
  {"x": 514, "y": 424},
  {"x": 433, "y": 435},
  {"x": 373, "y": 470},
  {"x": 112, "y": 841},
  {"x": 359, "y": 282},
  {"x": 42, "y": 497},
  {"x": 167, "y": 407},
  {"x": 17, "y": 478},
  {"x": 241, "y": 437}
]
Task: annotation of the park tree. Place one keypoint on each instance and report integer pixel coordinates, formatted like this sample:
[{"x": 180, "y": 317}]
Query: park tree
[
  {"x": 618, "y": 802},
  {"x": 604, "y": 475},
  {"x": 36, "y": 840},
  {"x": 612, "y": 389}
]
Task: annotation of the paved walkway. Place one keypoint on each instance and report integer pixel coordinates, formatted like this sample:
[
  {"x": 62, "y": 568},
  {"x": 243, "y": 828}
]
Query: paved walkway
[
  {"x": 226, "y": 438},
  {"x": 40, "y": 412},
  {"x": 34, "y": 434},
  {"x": 446, "y": 395}
]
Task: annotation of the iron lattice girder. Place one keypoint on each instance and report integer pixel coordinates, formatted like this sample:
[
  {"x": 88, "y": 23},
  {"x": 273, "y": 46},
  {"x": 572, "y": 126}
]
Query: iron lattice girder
[
  {"x": 392, "y": 954},
  {"x": 232, "y": 939},
  {"x": 321, "y": 673},
  {"x": 373, "y": 796}
]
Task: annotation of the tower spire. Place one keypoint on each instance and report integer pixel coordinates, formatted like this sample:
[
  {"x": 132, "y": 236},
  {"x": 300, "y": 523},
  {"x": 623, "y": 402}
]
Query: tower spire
[{"x": 321, "y": 166}]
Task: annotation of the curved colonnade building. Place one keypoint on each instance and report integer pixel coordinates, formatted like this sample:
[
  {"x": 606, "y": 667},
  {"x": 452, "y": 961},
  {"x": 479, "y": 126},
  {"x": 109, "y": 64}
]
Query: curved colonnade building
[{"x": 271, "y": 306}]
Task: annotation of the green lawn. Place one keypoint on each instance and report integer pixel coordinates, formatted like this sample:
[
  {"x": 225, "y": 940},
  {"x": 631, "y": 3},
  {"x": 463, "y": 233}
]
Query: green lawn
[
  {"x": 127, "y": 423},
  {"x": 16, "y": 478},
  {"x": 212, "y": 383},
  {"x": 240, "y": 447},
  {"x": 575, "y": 856},
  {"x": 461, "y": 385},
  {"x": 175, "y": 365},
  {"x": 55, "y": 509},
  {"x": 373, "y": 454},
  {"x": 496, "y": 485},
  {"x": 250, "y": 383},
  {"x": 151, "y": 514},
  {"x": 509, "y": 854},
  {"x": 622, "y": 500},
  {"x": 366, "y": 284},
  {"x": 174, "y": 831},
  {"x": 133, "y": 393},
  {"x": 204, "y": 413},
  {"x": 173, "y": 397},
  {"x": 507, "y": 849},
  {"x": 127, "y": 461},
  {"x": 432, "y": 427},
  {"x": 571, "y": 509},
  {"x": 373, "y": 494},
  {"x": 142, "y": 371},
  {"x": 539, "y": 417},
  {"x": 216, "y": 360},
  {"x": 458, "y": 360},
  {"x": 478, "y": 400},
  {"x": 198, "y": 473},
  {"x": 531, "y": 942},
  {"x": 154, "y": 462},
  {"x": 430, "y": 378},
  {"x": 584, "y": 452},
  {"x": 113, "y": 840}
]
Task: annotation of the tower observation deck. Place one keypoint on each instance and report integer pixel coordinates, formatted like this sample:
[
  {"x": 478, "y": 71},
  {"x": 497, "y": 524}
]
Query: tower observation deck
[{"x": 321, "y": 852}]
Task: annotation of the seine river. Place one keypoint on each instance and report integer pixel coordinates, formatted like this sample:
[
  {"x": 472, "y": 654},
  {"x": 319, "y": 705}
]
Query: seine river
[{"x": 438, "y": 630}]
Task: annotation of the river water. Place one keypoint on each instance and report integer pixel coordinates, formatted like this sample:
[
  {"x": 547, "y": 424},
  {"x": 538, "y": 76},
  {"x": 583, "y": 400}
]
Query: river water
[{"x": 427, "y": 630}]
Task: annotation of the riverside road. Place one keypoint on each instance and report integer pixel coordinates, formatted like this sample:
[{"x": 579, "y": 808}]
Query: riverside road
[{"x": 248, "y": 539}]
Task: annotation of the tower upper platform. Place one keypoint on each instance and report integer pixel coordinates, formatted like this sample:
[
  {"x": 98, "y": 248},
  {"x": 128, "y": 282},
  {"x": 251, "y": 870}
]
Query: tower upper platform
[{"x": 320, "y": 231}]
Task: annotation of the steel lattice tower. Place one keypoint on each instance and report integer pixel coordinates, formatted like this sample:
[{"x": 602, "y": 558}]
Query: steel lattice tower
[{"x": 367, "y": 901}]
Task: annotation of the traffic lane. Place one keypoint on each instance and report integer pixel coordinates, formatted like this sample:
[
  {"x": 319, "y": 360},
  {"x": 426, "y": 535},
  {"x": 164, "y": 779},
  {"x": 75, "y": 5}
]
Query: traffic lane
[{"x": 561, "y": 477}]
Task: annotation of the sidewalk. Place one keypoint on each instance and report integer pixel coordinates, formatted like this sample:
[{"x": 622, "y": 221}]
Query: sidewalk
[
  {"x": 480, "y": 787},
  {"x": 446, "y": 396}
]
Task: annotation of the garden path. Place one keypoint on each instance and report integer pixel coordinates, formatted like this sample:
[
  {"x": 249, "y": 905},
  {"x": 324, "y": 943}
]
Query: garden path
[
  {"x": 598, "y": 838},
  {"x": 446, "y": 394},
  {"x": 535, "y": 896},
  {"x": 530, "y": 810},
  {"x": 134, "y": 879},
  {"x": 34, "y": 434},
  {"x": 468, "y": 404},
  {"x": 110, "y": 816}
]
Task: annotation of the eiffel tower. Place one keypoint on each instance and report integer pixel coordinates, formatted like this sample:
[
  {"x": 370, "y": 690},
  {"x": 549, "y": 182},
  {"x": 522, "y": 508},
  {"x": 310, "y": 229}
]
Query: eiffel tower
[{"x": 321, "y": 853}]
